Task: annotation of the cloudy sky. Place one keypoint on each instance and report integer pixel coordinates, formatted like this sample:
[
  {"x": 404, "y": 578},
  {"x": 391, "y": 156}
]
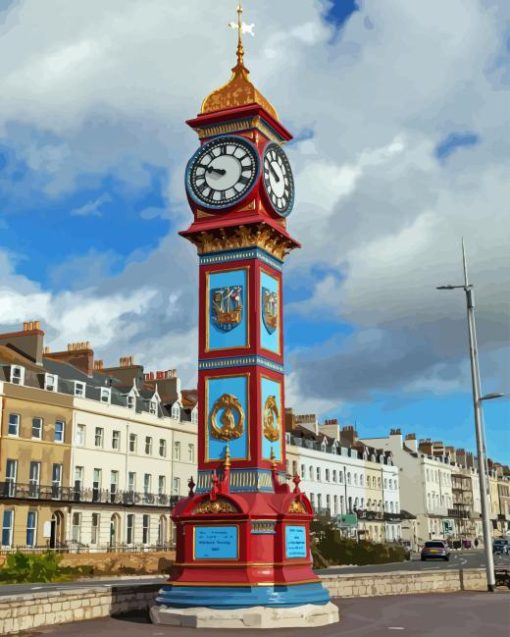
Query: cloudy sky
[{"x": 400, "y": 112}]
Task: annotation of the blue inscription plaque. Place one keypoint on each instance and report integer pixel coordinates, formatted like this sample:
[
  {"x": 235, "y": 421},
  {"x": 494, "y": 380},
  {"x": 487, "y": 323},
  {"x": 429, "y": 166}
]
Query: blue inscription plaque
[
  {"x": 295, "y": 541},
  {"x": 216, "y": 543}
]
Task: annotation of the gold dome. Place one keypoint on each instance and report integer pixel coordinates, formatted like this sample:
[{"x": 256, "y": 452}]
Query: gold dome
[{"x": 239, "y": 90}]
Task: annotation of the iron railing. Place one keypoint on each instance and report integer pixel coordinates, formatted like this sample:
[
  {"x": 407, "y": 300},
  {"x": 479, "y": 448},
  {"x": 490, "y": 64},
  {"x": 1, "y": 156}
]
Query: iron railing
[{"x": 12, "y": 491}]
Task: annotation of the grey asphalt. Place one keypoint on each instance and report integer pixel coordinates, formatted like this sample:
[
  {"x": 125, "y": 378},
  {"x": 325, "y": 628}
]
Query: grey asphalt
[
  {"x": 464, "y": 559},
  {"x": 460, "y": 559},
  {"x": 451, "y": 615}
]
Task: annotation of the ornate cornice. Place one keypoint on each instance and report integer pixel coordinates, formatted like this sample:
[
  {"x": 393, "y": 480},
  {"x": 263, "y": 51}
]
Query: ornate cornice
[{"x": 258, "y": 235}]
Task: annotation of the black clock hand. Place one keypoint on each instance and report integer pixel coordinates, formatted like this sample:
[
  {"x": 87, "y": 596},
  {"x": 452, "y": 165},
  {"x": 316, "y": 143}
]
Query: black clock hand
[
  {"x": 218, "y": 171},
  {"x": 275, "y": 174}
]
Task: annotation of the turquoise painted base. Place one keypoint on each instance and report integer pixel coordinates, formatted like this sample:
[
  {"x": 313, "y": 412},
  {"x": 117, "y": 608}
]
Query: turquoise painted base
[{"x": 243, "y": 596}]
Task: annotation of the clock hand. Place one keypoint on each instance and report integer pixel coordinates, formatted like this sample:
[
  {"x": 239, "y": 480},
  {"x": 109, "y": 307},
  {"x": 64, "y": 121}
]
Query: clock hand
[
  {"x": 218, "y": 171},
  {"x": 275, "y": 174}
]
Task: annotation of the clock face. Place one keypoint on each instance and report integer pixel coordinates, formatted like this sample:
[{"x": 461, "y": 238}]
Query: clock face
[
  {"x": 278, "y": 179},
  {"x": 222, "y": 172}
]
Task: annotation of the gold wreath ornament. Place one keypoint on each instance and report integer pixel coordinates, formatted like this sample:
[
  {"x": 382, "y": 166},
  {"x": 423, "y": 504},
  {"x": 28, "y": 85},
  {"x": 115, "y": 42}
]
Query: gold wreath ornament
[
  {"x": 271, "y": 419},
  {"x": 230, "y": 427}
]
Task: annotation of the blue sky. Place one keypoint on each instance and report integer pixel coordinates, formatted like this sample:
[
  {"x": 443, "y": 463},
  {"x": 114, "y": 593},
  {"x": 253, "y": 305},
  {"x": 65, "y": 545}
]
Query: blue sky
[{"x": 401, "y": 148}]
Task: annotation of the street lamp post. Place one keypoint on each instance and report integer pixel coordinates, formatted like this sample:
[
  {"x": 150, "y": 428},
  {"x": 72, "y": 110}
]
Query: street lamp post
[{"x": 477, "y": 405}]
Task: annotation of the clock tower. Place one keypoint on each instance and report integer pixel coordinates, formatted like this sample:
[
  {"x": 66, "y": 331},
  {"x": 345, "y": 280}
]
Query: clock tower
[{"x": 242, "y": 534}]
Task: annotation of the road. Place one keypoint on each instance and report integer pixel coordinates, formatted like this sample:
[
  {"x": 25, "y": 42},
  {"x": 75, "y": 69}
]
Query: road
[
  {"x": 452, "y": 615},
  {"x": 461, "y": 559},
  {"x": 465, "y": 559}
]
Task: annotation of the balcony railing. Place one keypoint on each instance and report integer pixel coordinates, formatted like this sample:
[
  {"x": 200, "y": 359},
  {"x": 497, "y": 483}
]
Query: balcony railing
[
  {"x": 458, "y": 513},
  {"x": 11, "y": 491}
]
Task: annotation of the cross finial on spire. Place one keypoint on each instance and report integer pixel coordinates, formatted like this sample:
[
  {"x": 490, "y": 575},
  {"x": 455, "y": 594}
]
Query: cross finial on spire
[{"x": 242, "y": 28}]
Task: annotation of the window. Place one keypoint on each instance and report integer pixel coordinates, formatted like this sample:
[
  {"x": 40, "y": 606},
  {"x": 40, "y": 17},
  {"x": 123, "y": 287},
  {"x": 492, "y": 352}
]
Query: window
[
  {"x": 131, "y": 401},
  {"x": 162, "y": 447},
  {"x": 340, "y": 477},
  {"x": 106, "y": 395},
  {"x": 96, "y": 485},
  {"x": 13, "y": 428},
  {"x": 153, "y": 407},
  {"x": 161, "y": 485},
  {"x": 177, "y": 450},
  {"x": 361, "y": 480},
  {"x": 176, "y": 411},
  {"x": 99, "y": 437},
  {"x": 334, "y": 475},
  {"x": 116, "y": 440},
  {"x": 132, "y": 443},
  {"x": 79, "y": 389},
  {"x": 327, "y": 475},
  {"x": 76, "y": 527},
  {"x": 318, "y": 473},
  {"x": 310, "y": 473},
  {"x": 319, "y": 501},
  {"x": 7, "y": 527},
  {"x": 37, "y": 427},
  {"x": 56, "y": 480},
  {"x": 385, "y": 483},
  {"x": 11, "y": 469},
  {"x": 355, "y": 478},
  {"x": 17, "y": 375},
  {"x": 31, "y": 528},
  {"x": 78, "y": 482},
  {"x": 131, "y": 481},
  {"x": 80, "y": 435},
  {"x": 194, "y": 416},
  {"x": 176, "y": 486},
  {"x": 50, "y": 382},
  {"x": 312, "y": 499},
  {"x": 130, "y": 527},
  {"x": 114, "y": 485},
  {"x": 191, "y": 453},
  {"x": 148, "y": 445},
  {"x": 348, "y": 478},
  {"x": 303, "y": 471},
  {"x": 34, "y": 475},
  {"x": 145, "y": 529},
  {"x": 147, "y": 483},
  {"x": 94, "y": 528},
  {"x": 59, "y": 430}
]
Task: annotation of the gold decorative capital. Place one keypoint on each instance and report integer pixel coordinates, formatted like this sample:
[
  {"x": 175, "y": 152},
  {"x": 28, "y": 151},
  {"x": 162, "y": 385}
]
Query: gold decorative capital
[
  {"x": 296, "y": 506},
  {"x": 257, "y": 235},
  {"x": 215, "y": 506}
]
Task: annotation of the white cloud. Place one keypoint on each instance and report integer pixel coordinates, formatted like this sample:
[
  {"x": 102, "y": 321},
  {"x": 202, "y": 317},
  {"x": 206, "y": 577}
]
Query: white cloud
[
  {"x": 107, "y": 87},
  {"x": 92, "y": 208}
]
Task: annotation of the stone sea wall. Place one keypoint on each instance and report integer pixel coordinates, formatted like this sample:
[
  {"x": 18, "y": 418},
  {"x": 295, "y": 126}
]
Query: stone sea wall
[{"x": 29, "y": 611}]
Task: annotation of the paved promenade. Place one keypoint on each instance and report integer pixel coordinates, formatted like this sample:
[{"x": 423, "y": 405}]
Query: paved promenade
[{"x": 452, "y": 615}]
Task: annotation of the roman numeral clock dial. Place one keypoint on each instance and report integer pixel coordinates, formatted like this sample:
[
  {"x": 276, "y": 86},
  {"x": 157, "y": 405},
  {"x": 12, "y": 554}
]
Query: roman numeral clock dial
[
  {"x": 222, "y": 172},
  {"x": 278, "y": 179}
]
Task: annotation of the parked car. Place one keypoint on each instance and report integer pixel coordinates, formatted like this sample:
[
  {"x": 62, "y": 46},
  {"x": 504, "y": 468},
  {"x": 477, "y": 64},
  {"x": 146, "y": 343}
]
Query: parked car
[
  {"x": 435, "y": 549},
  {"x": 467, "y": 544},
  {"x": 500, "y": 545}
]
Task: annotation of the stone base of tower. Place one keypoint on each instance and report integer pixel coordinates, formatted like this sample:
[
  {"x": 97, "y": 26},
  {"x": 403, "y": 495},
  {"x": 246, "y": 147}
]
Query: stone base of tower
[{"x": 305, "y": 615}]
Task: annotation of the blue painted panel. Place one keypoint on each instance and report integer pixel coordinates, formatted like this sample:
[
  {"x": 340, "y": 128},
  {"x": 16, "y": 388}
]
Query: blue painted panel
[
  {"x": 269, "y": 334},
  {"x": 242, "y": 596},
  {"x": 271, "y": 388},
  {"x": 216, "y": 543},
  {"x": 295, "y": 541},
  {"x": 230, "y": 290},
  {"x": 215, "y": 388}
]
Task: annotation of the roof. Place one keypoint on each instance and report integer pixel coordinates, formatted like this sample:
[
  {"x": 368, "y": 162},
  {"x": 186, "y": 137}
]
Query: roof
[{"x": 10, "y": 356}]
